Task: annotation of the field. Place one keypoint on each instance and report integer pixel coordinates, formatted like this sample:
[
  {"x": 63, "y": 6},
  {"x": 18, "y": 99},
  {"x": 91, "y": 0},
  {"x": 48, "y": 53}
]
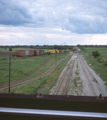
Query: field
[
  {"x": 25, "y": 69},
  {"x": 44, "y": 84},
  {"x": 23, "y": 66},
  {"x": 98, "y": 66},
  {"x": 30, "y": 67}
]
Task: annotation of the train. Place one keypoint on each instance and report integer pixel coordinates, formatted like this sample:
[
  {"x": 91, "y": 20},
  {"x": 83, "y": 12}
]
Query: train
[
  {"x": 53, "y": 51},
  {"x": 21, "y": 53}
]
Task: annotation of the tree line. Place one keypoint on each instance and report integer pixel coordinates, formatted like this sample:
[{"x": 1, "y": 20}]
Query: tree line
[{"x": 60, "y": 47}]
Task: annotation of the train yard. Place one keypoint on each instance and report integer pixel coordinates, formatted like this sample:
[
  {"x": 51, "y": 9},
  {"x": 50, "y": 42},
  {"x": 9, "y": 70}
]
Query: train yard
[
  {"x": 77, "y": 78},
  {"x": 78, "y": 91}
]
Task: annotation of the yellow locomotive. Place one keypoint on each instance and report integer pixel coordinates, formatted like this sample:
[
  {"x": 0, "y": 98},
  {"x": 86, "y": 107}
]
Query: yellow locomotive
[{"x": 53, "y": 51}]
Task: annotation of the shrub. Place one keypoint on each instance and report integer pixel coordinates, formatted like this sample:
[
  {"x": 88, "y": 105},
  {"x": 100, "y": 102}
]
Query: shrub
[
  {"x": 10, "y": 49},
  {"x": 100, "y": 59},
  {"x": 95, "y": 54},
  {"x": 105, "y": 63}
]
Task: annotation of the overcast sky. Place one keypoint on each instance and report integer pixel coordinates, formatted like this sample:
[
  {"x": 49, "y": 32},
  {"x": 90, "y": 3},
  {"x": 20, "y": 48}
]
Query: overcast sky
[{"x": 53, "y": 22}]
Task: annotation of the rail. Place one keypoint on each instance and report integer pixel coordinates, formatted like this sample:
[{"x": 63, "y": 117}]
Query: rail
[
  {"x": 66, "y": 86},
  {"x": 94, "y": 80},
  {"x": 92, "y": 89}
]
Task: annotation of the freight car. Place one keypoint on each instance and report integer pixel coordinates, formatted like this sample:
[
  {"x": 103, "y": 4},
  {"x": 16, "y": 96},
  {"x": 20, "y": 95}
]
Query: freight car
[
  {"x": 53, "y": 51},
  {"x": 21, "y": 53},
  {"x": 38, "y": 52}
]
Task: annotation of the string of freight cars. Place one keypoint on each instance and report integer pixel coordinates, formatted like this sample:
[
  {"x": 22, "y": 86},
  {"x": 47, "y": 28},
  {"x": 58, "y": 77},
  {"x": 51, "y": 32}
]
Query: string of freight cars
[{"x": 21, "y": 53}]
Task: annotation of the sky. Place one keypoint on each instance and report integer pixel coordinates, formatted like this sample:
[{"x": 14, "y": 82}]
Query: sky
[{"x": 53, "y": 22}]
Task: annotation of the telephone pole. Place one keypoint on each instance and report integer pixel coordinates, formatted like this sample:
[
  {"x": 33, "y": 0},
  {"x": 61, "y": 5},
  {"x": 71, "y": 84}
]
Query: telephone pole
[{"x": 9, "y": 70}]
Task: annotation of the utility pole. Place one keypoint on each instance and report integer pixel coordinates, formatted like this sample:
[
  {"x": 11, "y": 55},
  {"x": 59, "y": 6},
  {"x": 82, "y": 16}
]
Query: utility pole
[
  {"x": 45, "y": 60},
  {"x": 9, "y": 70}
]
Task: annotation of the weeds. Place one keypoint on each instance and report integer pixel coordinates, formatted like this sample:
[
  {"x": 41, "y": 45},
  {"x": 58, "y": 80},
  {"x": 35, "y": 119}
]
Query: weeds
[
  {"x": 50, "y": 80},
  {"x": 24, "y": 66},
  {"x": 99, "y": 65},
  {"x": 75, "y": 82},
  {"x": 77, "y": 72}
]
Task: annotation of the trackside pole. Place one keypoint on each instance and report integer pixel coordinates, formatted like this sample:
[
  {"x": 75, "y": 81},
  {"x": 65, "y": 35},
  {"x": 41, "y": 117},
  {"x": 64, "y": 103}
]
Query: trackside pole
[{"x": 9, "y": 70}]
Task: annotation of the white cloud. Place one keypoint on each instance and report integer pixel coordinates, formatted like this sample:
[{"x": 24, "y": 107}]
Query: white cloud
[
  {"x": 53, "y": 21},
  {"x": 80, "y": 16},
  {"x": 52, "y": 36}
]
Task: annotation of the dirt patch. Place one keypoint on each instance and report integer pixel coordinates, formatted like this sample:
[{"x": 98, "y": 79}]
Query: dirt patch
[{"x": 40, "y": 90}]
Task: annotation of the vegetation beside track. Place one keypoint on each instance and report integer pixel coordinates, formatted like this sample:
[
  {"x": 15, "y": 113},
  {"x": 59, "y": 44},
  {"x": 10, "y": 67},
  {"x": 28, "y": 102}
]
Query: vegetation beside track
[
  {"x": 46, "y": 83},
  {"x": 22, "y": 66},
  {"x": 99, "y": 67}
]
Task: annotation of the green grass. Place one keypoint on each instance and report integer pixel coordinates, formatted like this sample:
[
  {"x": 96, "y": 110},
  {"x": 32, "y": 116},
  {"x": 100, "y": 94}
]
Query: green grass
[
  {"x": 22, "y": 66},
  {"x": 47, "y": 66},
  {"x": 49, "y": 80},
  {"x": 98, "y": 67}
]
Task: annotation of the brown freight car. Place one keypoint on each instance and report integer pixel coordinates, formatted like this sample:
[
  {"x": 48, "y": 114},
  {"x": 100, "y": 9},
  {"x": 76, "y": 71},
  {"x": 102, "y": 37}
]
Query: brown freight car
[
  {"x": 21, "y": 53},
  {"x": 41, "y": 52},
  {"x": 38, "y": 52}
]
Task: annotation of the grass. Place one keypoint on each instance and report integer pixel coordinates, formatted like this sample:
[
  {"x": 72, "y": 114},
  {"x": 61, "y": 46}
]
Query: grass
[
  {"x": 76, "y": 85},
  {"x": 22, "y": 66},
  {"x": 47, "y": 66},
  {"x": 49, "y": 80},
  {"x": 98, "y": 67}
]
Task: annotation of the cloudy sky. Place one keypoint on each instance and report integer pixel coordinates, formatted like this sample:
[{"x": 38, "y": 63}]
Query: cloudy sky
[{"x": 53, "y": 22}]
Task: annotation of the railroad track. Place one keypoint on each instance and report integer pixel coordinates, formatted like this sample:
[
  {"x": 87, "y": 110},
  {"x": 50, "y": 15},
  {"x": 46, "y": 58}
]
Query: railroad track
[
  {"x": 21, "y": 83},
  {"x": 95, "y": 80},
  {"x": 22, "y": 79},
  {"x": 62, "y": 87},
  {"x": 94, "y": 87}
]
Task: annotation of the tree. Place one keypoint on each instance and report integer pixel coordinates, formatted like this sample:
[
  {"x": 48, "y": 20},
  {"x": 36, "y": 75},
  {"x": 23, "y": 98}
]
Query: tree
[
  {"x": 55, "y": 46},
  {"x": 10, "y": 49},
  {"x": 37, "y": 46},
  {"x": 95, "y": 54}
]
